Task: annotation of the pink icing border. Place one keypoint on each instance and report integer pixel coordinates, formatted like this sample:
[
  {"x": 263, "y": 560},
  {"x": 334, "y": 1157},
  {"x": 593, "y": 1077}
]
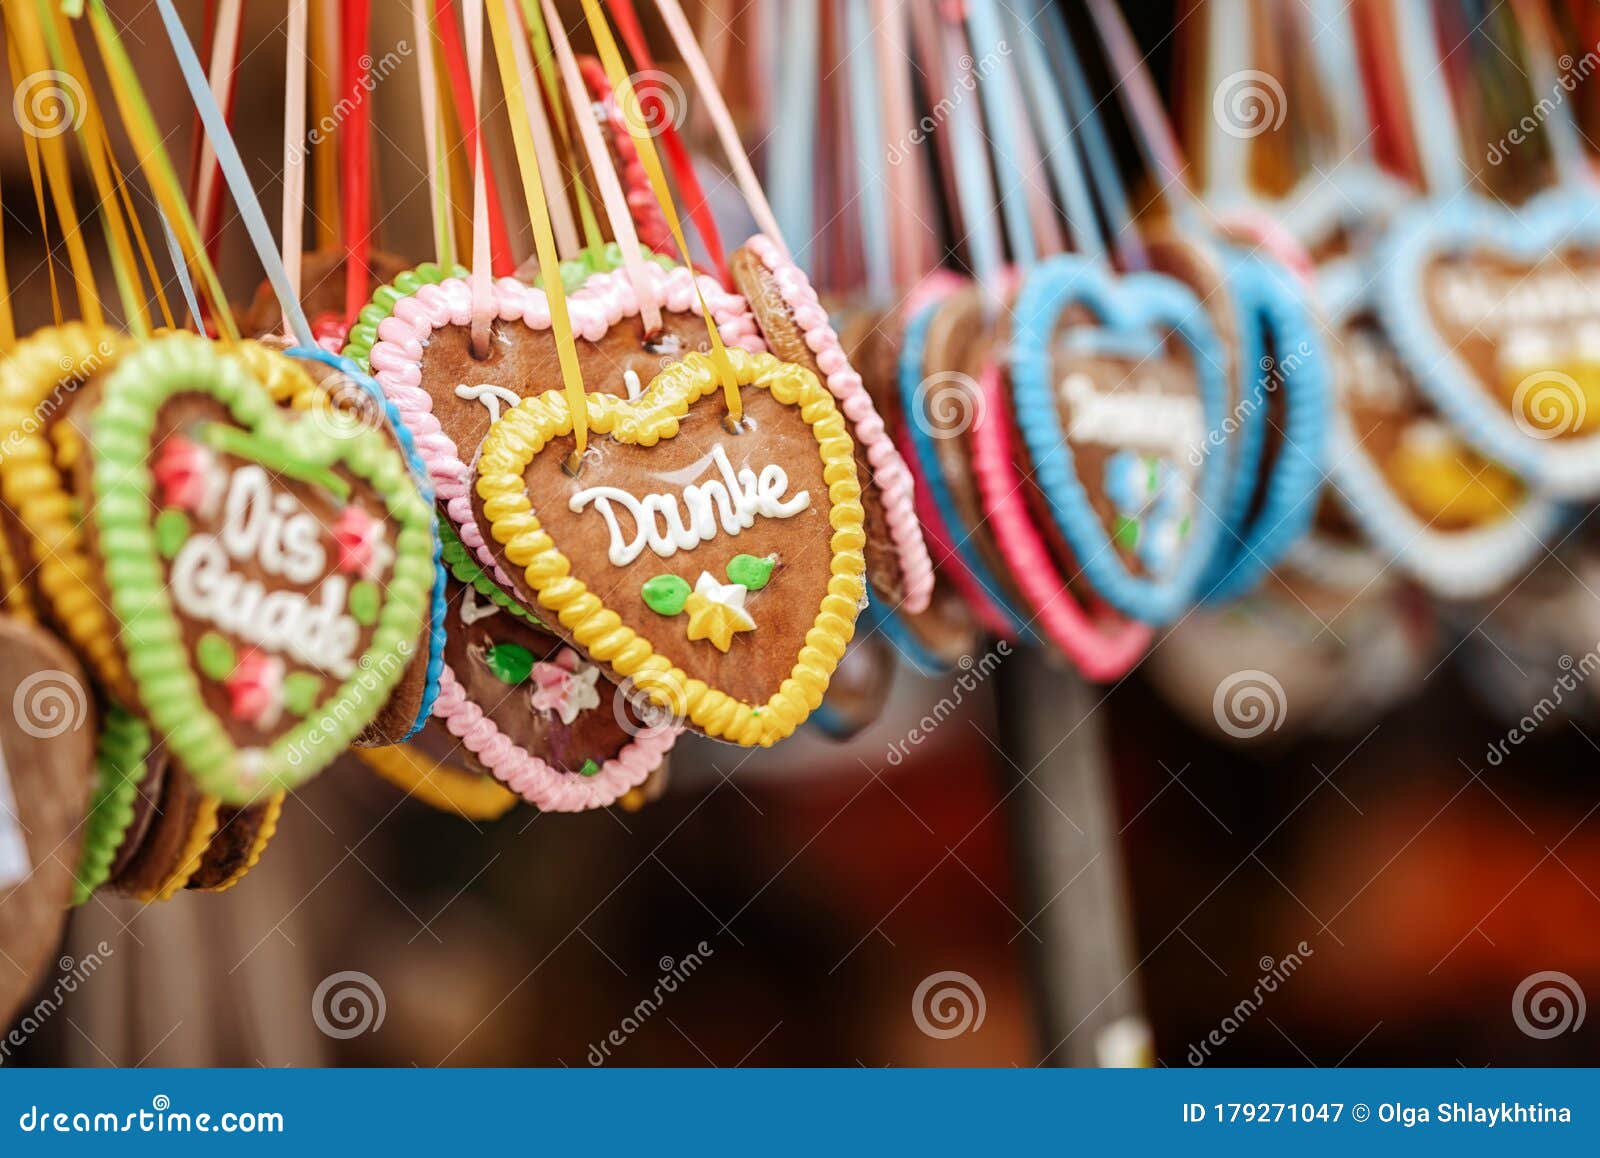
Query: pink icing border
[
  {"x": 989, "y": 616},
  {"x": 603, "y": 300},
  {"x": 537, "y": 782},
  {"x": 1267, "y": 232},
  {"x": 1104, "y": 646},
  {"x": 890, "y": 473}
]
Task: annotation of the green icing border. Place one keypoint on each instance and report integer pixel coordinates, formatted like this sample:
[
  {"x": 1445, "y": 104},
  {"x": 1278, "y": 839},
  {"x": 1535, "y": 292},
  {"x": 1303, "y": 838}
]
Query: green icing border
[
  {"x": 121, "y": 763},
  {"x": 467, "y": 570},
  {"x": 162, "y": 669}
]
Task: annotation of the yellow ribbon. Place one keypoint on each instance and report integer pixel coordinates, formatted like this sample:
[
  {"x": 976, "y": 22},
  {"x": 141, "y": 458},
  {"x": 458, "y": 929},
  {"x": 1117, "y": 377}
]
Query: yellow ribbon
[
  {"x": 633, "y": 117},
  {"x": 140, "y": 125},
  {"x": 544, "y": 238},
  {"x": 47, "y": 153}
]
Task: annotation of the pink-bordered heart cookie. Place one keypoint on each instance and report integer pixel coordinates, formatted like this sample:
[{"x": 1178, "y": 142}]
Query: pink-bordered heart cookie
[
  {"x": 797, "y": 330},
  {"x": 1103, "y": 644},
  {"x": 422, "y": 357}
]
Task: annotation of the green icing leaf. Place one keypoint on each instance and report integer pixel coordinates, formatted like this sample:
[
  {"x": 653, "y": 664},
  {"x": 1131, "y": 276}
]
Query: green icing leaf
[
  {"x": 215, "y": 656},
  {"x": 300, "y": 692},
  {"x": 172, "y": 531},
  {"x": 510, "y": 663},
  {"x": 1126, "y": 532},
  {"x": 665, "y": 594},
  {"x": 751, "y": 572},
  {"x": 364, "y": 602},
  {"x": 590, "y": 768}
]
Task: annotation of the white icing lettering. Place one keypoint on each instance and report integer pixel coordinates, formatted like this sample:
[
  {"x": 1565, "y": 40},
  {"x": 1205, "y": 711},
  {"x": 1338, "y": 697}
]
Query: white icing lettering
[
  {"x": 667, "y": 526},
  {"x": 283, "y": 540},
  {"x": 489, "y": 395},
  {"x": 1146, "y": 419}
]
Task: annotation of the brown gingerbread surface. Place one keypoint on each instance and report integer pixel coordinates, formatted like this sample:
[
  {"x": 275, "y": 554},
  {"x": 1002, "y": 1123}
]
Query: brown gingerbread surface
[
  {"x": 479, "y": 631},
  {"x": 1512, "y": 322},
  {"x": 787, "y": 342},
  {"x": 774, "y": 435},
  {"x": 46, "y": 773},
  {"x": 525, "y": 361}
]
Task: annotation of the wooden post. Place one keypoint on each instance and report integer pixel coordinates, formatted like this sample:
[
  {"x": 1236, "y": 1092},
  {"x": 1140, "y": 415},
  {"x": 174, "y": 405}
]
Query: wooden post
[{"x": 1065, "y": 828}]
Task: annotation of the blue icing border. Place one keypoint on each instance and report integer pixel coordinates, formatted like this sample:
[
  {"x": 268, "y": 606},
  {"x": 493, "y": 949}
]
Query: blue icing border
[
  {"x": 1454, "y": 564},
  {"x": 408, "y": 448},
  {"x": 1271, "y": 302},
  {"x": 1135, "y": 302},
  {"x": 909, "y": 377},
  {"x": 1560, "y": 217},
  {"x": 876, "y": 617}
]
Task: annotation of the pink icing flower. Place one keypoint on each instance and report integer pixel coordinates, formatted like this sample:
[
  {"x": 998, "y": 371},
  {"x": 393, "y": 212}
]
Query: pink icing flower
[
  {"x": 255, "y": 689},
  {"x": 565, "y": 687},
  {"x": 362, "y": 549},
  {"x": 186, "y": 474}
]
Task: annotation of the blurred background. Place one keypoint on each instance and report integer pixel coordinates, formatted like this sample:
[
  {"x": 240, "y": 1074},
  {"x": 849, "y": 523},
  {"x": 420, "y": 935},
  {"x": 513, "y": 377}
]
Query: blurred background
[{"x": 801, "y": 900}]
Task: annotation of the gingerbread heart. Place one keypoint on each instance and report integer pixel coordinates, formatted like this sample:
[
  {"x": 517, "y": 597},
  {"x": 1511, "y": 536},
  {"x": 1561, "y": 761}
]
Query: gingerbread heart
[
  {"x": 348, "y": 391},
  {"x": 1403, "y": 472},
  {"x": 269, "y": 574},
  {"x": 421, "y": 356},
  {"x": 46, "y": 761},
  {"x": 797, "y": 330},
  {"x": 530, "y": 710},
  {"x": 721, "y": 573},
  {"x": 935, "y": 639},
  {"x": 1497, "y": 315},
  {"x": 1110, "y": 408}
]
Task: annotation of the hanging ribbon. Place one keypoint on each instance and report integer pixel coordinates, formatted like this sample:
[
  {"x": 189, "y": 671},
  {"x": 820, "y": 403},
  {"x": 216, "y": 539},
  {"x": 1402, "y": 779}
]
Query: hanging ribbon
[
  {"x": 1435, "y": 131},
  {"x": 466, "y": 101},
  {"x": 428, "y": 97},
  {"x": 790, "y": 150},
  {"x": 226, "y": 23},
  {"x": 611, "y": 194},
  {"x": 140, "y": 125},
  {"x": 622, "y": 86},
  {"x": 544, "y": 62},
  {"x": 244, "y": 196},
  {"x": 47, "y": 155},
  {"x": 717, "y": 109},
  {"x": 873, "y": 189},
  {"x": 355, "y": 153},
  {"x": 294, "y": 152},
  {"x": 698, "y": 207},
  {"x": 500, "y": 14},
  {"x": 544, "y": 148}
]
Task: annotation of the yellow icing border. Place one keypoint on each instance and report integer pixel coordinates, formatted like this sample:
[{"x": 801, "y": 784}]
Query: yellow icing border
[
  {"x": 470, "y": 795},
  {"x": 31, "y": 484},
  {"x": 525, "y": 429},
  {"x": 188, "y": 862},
  {"x": 265, "y": 831}
]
